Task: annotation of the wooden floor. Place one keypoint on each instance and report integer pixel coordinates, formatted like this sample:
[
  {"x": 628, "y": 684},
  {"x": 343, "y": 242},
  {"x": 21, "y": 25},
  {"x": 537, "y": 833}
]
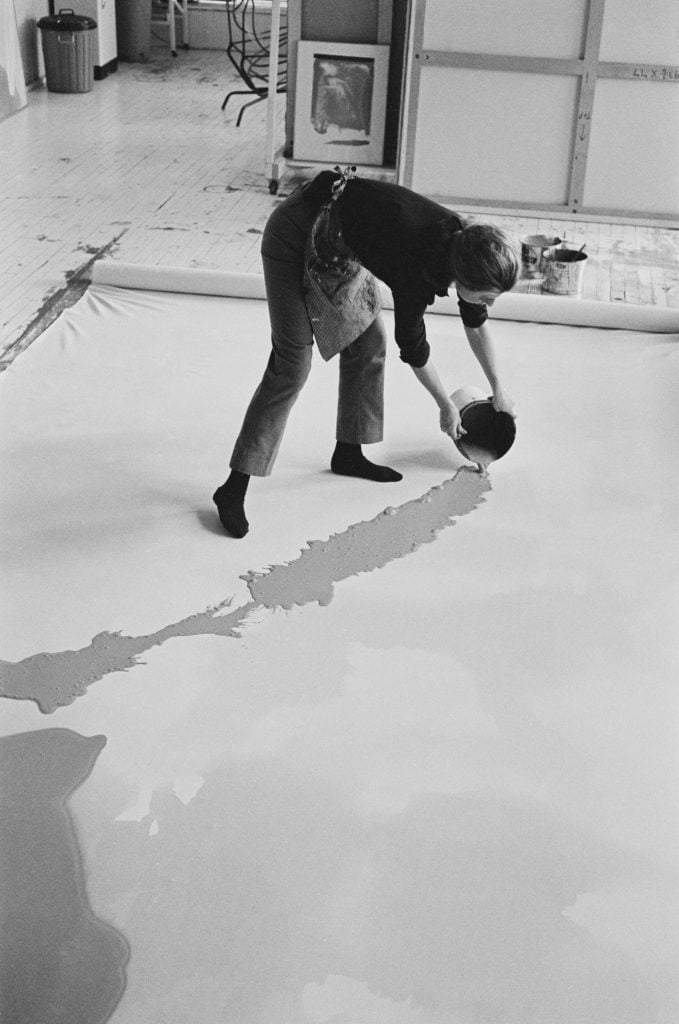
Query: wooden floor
[{"x": 146, "y": 168}]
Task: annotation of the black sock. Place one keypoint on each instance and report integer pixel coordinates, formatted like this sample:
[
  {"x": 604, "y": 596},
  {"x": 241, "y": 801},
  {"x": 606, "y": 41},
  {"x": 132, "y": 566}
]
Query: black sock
[
  {"x": 349, "y": 460},
  {"x": 230, "y": 501}
]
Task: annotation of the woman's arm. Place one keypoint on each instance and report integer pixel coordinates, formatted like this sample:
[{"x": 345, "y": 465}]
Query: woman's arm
[
  {"x": 481, "y": 343},
  {"x": 411, "y": 338},
  {"x": 449, "y": 417}
]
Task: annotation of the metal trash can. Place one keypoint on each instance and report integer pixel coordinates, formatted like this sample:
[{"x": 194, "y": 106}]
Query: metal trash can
[{"x": 68, "y": 50}]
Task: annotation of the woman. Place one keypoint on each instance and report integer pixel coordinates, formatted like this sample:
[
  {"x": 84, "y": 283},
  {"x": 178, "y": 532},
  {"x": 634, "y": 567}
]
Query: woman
[{"x": 322, "y": 249}]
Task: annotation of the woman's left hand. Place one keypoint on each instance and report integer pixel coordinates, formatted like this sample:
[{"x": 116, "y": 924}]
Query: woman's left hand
[{"x": 503, "y": 403}]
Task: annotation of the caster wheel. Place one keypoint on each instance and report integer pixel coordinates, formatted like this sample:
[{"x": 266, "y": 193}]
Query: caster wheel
[{"x": 273, "y": 187}]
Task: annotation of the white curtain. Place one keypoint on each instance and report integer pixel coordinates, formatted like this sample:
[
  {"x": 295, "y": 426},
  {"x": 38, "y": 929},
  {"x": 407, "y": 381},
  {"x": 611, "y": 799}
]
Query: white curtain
[{"x": 12, "y": 83}]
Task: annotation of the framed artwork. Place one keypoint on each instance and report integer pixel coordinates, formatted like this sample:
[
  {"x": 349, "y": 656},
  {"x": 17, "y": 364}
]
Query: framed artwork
[{"x": 340, "y": 102}]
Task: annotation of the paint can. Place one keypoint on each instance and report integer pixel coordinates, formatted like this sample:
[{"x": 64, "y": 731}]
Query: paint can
[
  {"x": 564, "y": 270},
  {"x": 533, "y": 250},
  {"x": 489, "y": 434}
]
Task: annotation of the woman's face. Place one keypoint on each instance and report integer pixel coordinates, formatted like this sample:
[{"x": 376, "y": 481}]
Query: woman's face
[{"x": 487, "y": 297}]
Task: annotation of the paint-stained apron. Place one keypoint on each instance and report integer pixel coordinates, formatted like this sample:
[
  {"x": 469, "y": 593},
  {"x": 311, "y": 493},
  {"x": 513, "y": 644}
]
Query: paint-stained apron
[{"x": 342, "y": 297}]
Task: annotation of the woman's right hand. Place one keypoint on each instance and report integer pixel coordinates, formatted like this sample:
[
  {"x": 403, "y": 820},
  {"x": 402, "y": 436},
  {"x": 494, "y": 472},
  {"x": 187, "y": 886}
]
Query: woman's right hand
[{"x": 449, "y": 419}]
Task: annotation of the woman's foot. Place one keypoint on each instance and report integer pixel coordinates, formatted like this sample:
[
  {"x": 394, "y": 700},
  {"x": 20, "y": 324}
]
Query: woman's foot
[
  {"x": 230, "y": 502},
  {"x": 349, "y": 460}
]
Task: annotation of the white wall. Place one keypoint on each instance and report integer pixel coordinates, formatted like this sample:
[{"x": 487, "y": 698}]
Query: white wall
[
  {"x": 508, "y": 137},
  {"x": 550, "y": 28},
  {"x": 474, "y": 138},
  {"x": 646, "y": 31},
  {"x": 12, "y": 88},
  {"x": 634, "y": 164},
  {"x": 28, "y": 13}
]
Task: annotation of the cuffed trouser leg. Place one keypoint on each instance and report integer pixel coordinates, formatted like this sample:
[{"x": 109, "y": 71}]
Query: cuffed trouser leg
[
  {"x": 260, "y": 436},
  {"x": 360, "y": 406}
]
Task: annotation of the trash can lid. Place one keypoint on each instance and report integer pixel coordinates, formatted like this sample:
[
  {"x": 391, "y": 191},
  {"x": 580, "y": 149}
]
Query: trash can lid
[{"x": 67, "y": 21}]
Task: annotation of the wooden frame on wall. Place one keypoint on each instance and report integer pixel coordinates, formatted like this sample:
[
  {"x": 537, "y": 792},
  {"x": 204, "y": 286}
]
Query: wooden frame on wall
[
  {"x": 340, "y": 102},
  {"x": 587, "y": 70}
]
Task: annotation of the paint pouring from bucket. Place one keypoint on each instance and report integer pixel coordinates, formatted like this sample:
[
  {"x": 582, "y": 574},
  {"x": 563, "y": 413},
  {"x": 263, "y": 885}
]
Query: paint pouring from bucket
[{"x": 489, "y": 434}]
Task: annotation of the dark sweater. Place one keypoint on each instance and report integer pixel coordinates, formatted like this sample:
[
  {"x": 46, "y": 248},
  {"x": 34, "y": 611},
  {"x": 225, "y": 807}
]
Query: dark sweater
[{"x": 403, "y": 239}]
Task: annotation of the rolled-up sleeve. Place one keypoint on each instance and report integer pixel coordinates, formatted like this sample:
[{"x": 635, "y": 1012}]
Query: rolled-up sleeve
[
  {"x": 409, "y": 330},
  {"x": 472, "y": 314}
]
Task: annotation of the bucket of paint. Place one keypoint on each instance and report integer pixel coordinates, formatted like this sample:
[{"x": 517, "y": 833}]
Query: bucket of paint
[
  {"x": 533, "y": 250},
  {"x": 489, "y": 434},
  {"x": 564, "y": 269}
]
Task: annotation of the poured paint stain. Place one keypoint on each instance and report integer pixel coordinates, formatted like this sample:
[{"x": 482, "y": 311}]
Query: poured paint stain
[
  {"x": 392, "y": 534},
  {"x": 221, "y": 188},
  {"x": 54, "y": 680},
  {"x": 60, "y": 963},
  {"x": 56, "y": 302}
]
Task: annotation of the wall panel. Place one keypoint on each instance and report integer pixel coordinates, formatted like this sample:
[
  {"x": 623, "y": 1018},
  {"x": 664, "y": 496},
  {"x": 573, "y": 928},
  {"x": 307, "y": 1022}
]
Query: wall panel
[
  {"x": 645, "y": 32},
  {"x": 567, "y": 107},
  {"x": 470, "y": 143},
  {"x": 551, "y": 28},
  {"x": 637, "y": 167}
]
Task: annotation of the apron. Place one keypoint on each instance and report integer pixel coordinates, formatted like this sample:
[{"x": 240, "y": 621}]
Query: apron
[{"x": 342, "y": 298}]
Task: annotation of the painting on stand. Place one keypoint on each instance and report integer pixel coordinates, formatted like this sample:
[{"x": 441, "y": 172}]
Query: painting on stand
[{"x": 341, "y": 102}]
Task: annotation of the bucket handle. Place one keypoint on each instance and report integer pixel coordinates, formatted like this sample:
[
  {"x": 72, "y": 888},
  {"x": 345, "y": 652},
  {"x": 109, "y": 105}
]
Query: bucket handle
[{"x": 66, "y": 38}]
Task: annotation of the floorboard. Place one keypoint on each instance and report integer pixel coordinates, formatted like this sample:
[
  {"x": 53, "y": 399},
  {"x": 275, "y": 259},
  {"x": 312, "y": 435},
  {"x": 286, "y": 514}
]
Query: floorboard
[{"x": 148, "y": 168}]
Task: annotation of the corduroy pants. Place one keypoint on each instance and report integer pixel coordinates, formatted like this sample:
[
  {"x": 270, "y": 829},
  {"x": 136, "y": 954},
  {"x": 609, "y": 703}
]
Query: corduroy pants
[{"x": 360, "y": 406}]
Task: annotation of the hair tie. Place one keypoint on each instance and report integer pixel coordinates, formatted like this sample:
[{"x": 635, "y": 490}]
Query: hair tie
[{"x": 345, "y": 175}]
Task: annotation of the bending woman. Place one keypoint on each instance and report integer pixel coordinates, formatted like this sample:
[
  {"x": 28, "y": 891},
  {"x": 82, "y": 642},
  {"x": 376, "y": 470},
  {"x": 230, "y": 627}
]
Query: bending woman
[{"x": 322, "y": 249}]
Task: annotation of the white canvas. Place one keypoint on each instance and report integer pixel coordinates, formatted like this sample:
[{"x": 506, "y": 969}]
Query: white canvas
[{"x": 447, "y": 793}]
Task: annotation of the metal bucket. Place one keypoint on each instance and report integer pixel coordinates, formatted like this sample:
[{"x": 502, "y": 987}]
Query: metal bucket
[
  {"x": 68, "y": 51},
  {"x": 533, "y": 250},
  {"x": 490, "y": 434},
  {"x": 564, "y": 270}
]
